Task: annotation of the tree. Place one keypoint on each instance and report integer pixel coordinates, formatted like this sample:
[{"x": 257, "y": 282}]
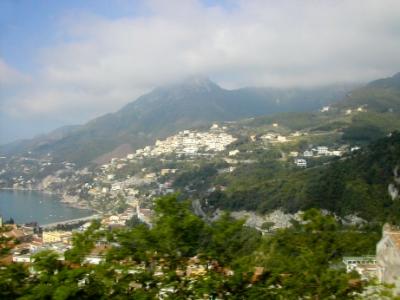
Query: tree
[
  {"x": 46, "y": 262},
  {"x": 304, "y": 260},
  {"x": 13, "y": 281},
  {"x": 177, "y": 230}
]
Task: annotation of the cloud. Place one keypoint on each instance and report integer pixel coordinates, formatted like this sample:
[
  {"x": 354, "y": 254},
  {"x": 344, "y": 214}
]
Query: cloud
[
  {"x": 10, "y": 76},
  {"x": 101, "y": 63}
]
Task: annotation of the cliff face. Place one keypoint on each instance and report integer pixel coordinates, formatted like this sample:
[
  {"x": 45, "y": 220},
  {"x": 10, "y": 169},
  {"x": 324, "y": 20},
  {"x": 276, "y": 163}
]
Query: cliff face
[{"x": 388, "y": 257}]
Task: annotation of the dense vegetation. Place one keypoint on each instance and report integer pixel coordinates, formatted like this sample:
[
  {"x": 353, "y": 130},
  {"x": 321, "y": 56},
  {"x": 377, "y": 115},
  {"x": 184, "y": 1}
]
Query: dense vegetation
[{"x": 143, "y": 263}]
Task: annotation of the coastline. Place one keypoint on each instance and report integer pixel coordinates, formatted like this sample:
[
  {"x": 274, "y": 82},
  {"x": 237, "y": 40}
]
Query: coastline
[{"x": 70, "y": 201}]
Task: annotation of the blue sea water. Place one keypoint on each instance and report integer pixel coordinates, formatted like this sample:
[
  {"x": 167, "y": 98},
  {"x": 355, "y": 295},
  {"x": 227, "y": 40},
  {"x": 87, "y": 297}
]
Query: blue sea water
[{"x": 29, "y": 206}]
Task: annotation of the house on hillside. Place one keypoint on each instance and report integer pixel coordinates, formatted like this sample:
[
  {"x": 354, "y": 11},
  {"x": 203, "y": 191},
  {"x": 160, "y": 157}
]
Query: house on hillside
[
  {"x": 366, "y": 266},
  {"x": 322, "y": 150},
  {"x": 308, "y": 153},
  {"x": 300, "y": 162},
  {"x": 388, "y": 256}
]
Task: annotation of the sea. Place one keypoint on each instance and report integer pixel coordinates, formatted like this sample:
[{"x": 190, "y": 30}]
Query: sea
[{"x": 32, "y": 206}]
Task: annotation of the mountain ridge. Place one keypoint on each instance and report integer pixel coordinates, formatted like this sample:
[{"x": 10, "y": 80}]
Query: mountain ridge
[
  {"x": 194, "y": 102},
  {"x": 381, "y": 95}
]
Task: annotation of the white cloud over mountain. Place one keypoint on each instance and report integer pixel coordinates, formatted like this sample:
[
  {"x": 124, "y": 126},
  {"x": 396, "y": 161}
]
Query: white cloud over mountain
[{"x": 102, "y": 63}]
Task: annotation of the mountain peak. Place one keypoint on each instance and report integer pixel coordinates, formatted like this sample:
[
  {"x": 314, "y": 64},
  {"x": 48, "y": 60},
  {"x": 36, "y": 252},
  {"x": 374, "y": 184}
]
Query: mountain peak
[
  {"x": 200, "y": 82},
  {"x": 196, "y": 83}
]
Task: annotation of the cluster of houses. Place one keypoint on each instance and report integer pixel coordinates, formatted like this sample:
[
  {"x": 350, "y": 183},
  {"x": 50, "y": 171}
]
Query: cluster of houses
[
  {"x": 319, "y": 151},
  {"x": 349, "y": 111},
  {"x": 108, "y": 183},
  {"x": 190, "y": 142},
  {"x": 144, "y": 215},
  {"x": 28, "y": 242},
  {"x": 273, "y": 137}
]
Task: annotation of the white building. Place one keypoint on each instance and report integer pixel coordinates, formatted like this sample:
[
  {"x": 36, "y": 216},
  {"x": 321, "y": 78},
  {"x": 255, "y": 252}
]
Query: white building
[
  {"x": 300, "y": 162},
  {"x": 116, "y": 187},
  {"x": 325, "y": 109},
  {"x": 22, "y": 258},
  {"x": 322, "y": 150},
  {"x": 308, "y": 153},
  {"x": 93, "y": 259},
  {"x": 281, "y": 139},
  {"x": 366, "y": 266}
]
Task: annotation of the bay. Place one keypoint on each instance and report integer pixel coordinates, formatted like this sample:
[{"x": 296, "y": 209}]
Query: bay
[{"x": 29, "y": 206}]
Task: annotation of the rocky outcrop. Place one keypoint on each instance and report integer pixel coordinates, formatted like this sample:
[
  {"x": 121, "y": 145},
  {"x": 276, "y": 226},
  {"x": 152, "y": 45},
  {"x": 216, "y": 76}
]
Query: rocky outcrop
[
  {"x": 277, "y": 219},
  {"x": 393, "y": 188}
]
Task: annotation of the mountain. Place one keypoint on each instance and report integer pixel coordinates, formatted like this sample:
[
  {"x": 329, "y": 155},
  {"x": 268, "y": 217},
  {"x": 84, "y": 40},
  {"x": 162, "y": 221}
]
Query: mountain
[
  {"x": 193, "y": 102},
  {"x": 382, "y": 95}
]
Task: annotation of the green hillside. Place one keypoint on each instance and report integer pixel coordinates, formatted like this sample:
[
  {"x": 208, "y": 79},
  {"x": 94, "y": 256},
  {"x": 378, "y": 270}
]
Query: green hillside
[
  {"x": 356, "y": 184},
  {"x": 381, "y": 95}
]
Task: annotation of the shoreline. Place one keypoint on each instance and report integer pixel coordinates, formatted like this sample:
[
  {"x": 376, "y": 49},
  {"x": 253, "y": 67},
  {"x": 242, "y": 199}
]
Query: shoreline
[{"x": 65, "y": 199}]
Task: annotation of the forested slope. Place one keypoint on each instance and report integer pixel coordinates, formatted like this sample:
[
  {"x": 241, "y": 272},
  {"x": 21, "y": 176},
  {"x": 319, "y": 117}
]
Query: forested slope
[{"x": 355, "y": 184}]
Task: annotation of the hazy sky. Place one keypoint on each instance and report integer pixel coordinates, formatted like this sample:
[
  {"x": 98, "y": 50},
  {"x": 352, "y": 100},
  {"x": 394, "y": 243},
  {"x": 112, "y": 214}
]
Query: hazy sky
[{"x": 66, "y": 61}]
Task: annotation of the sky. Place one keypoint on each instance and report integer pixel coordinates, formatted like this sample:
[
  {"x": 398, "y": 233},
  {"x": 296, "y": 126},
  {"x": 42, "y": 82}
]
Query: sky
[{"x": 67, "y": 61}]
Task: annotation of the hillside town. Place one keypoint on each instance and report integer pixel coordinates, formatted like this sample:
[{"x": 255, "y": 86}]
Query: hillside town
[
  {"x": 151, "y": 171},
  {"x": 123, "y": 189}
]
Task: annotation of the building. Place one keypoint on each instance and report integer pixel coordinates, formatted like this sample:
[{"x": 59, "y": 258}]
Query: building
[
  {"x": 322, "y": 150},
  {"x": 300, "y": 162},
  {"x": 20, "y": 234},
  {"x": 56, "y": 237},
  {"x": 325, "y": 109},
  {"x": 233, "y": 152},
  {"x": 116, "y": 186},
  {"x": 281, "y": 139},
  {"x": 167, "y": 171},
  {"x": 366, "y": 266},
  {"x": 337, "y": 153},
  {"x": 388, "y": 256},
  {"x": 308, "y": 153},
  {"x": 22, "y": 258},
  {"x": 93, "y": 259}
]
